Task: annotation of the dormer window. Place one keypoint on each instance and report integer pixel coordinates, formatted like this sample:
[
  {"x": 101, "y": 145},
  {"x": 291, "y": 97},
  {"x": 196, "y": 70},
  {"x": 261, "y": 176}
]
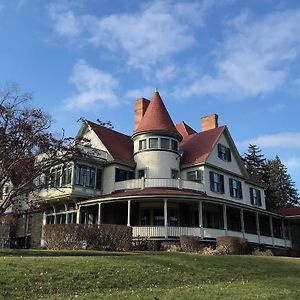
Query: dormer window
[
  {"x": 153, "y": 143},
  {"x": 224, "y": 152},
  {"x": 142, "y": 144}
]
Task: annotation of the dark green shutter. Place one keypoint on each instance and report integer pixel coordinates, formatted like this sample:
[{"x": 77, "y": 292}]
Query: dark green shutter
[
  {"x": 240, "y": 192},
  {"x": 231, "y": 186},
  {"x": 251, "y": 195},
  {"x": 222, "y": 184},
  {"x": 211, "y": 177}
]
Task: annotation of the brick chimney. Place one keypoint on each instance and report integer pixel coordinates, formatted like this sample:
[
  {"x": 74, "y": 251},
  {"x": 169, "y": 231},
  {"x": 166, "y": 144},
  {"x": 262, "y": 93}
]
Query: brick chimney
[
  {"x": 209, "y": 122},
  {"x": 140, "y": 107}
]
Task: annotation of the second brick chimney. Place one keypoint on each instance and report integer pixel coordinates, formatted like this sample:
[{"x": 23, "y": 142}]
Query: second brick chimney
[
  {"x": 209, "y": 122},
  {"x": 140, "y": 107}
]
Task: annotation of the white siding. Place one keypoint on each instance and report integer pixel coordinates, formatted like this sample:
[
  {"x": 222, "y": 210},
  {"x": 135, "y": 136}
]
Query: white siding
[{"x": 231, "y": 166}]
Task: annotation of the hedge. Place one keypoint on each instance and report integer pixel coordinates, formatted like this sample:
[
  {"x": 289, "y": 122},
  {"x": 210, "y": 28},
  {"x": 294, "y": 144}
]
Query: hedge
[
  {"x": 81, "y": 236},
  {"x": 232, "y": 244},
  {"x": 189, "y": 243}
]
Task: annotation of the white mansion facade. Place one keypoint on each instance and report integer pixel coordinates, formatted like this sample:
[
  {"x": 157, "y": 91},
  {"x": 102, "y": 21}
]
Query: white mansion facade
[{"x": 164, "y": 181}]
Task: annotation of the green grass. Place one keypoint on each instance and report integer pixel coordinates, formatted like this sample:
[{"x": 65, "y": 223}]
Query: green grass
[{"x": 31, "y": 274}]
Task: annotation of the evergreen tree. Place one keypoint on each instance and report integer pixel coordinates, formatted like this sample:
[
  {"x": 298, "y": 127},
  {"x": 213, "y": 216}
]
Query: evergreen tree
[
  {"x": 255, "y": 161},
  {"x": 281, "y": 191}
]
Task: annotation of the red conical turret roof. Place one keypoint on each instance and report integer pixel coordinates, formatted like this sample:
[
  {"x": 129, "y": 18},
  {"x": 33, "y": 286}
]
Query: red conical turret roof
[{"x": 157, "y": 118}]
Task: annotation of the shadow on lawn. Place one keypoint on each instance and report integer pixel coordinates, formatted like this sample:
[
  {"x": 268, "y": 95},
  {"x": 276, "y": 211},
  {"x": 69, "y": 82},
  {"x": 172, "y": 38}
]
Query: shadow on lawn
[{"x": 41, "y": 253}]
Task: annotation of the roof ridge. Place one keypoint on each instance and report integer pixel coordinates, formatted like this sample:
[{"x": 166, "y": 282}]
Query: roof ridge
[{"x": 107, "y": 128}]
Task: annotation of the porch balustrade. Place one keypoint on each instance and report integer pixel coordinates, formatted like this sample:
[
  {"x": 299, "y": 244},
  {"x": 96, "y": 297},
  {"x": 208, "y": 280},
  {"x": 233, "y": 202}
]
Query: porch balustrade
[{"x": 158, "y": 183}]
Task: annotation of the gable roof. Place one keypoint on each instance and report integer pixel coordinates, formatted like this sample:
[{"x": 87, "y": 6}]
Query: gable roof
[
  {"x": 157, "y": 118},
  {"x": 184, "y": 129},
  {"x": 119, "y": 145},
  {"x": 197, "y": 147}
]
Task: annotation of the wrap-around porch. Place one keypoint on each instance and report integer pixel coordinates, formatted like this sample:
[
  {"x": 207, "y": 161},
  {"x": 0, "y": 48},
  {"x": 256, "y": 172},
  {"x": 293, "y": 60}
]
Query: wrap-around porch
[{"x": 168, "y": 219}]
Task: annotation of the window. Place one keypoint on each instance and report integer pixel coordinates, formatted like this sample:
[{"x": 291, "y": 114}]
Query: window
[
  {"x": 145, "y": 217},
  {"x": 142, "y": 144},
  {"x": 174, "y": 145},
  {"x": 122, "y": 175},
  {"x": 66, "y": 175},
  {"x": 196, "y": 175},
  {"x": 255, "y": 197},
  {"x": 235, "y": 187},
  {"x": 224, "y": 152},
  {"x": 85, "y": 176},
  {"x": 141, "y": 174},
  {"x": 153, "y": 143},
  {"x": 158, "y": 217},
  {"x": 216, "y": 182},
  {"x": 55, "y": 177},
  {"x": 174, "y": 174},
  {"x": 164, "y": 143}
]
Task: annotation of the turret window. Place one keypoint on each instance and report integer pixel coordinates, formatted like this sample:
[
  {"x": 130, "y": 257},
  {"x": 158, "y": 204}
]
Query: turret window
[
  {"x": 164, "y": 143},
  {"x": 142, "y": 144},
  {"x": 153, "y": 143},
  {"x": 174, "y": 174},
  {"x": 174, "y": 145}
]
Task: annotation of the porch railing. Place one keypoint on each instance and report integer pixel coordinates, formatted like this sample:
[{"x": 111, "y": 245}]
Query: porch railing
[
  {"x": 158, "y": 183},
  {"x": 173, "y": 231}
]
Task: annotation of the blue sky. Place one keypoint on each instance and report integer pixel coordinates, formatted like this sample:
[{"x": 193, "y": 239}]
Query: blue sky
[{"x": 92, "y": 59}]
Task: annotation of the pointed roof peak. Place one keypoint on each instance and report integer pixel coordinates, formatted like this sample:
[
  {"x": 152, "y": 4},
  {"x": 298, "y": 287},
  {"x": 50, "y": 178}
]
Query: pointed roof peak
[
  {"x": 156, "y": 117},
  {"x": 156, "y": 90}
]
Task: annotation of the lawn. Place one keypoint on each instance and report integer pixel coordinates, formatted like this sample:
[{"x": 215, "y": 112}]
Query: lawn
[{"x": 147, "y": 275}]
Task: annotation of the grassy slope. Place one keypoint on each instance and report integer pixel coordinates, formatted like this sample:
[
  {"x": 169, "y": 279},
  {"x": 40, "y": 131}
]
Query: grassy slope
[{"x": 105, "y": 275}]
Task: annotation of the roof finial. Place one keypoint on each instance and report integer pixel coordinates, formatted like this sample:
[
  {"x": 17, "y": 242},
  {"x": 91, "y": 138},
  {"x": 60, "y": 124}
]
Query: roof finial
[{"x": 156, "y": 90}]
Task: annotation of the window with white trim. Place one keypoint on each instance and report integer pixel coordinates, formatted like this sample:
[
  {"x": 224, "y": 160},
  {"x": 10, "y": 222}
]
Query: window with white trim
[
  {"x": 235, "y": 187},
  {"x": 216, "y": 182},
  {"x": 255, "y": 197},
  {"x": 196, "y": 175},
  {"x": 224, "y": 152}
]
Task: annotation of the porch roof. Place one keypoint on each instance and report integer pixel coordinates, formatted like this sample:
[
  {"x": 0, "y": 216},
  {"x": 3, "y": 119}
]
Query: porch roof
[{"x": 289, "y": 211}]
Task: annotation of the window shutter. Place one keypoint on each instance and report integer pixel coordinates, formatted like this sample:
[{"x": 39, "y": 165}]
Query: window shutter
[
  {"x": 251, "y": 195},
  {"x": 219, "y": 151},
  {"x": 228, "y": 154},
  {"x": 222, "y": 183},
  {"x": 258, "y": 198},
  {"x": 211, "y": 177},
  {"x": 99, "y": 179},
  {"x": 231, "y": 186},
  {"x": 240, "y": 190}
]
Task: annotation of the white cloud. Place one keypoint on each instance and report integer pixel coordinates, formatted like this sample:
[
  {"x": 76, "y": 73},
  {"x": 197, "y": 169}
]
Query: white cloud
[
  {"x": 253, "y": 58},
  {"x": 146, "y": 37},
  {"x": 285, "y": 140},
  {"x": 93, "y": 87}
]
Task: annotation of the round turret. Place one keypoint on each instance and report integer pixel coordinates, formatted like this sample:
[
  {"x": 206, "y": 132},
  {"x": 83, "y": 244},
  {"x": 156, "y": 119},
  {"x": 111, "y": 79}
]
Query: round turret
[{"x": 156, "y": 143}]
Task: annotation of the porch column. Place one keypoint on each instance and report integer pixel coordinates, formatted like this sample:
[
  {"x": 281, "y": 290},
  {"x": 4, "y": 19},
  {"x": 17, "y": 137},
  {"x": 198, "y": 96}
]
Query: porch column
[
  {"x": 66, "y": 209},
  {"x": 257, "y": 227},
  {"x": 128, "y": 212},
  {"x": 283, "y": 232},
  {"x": 99, "y": 213},
  {"x": 242, "y": 222},
  {"x": 200, "y": 210},
  {"x": 166, "y": 217},
  {"x": 271, "y": 229},
  {"x": 55, "y": 215},
  {"x": 43, "y": 229},
  {"x": 78, "y": 215},
  {"x": 225, "y": 218}
]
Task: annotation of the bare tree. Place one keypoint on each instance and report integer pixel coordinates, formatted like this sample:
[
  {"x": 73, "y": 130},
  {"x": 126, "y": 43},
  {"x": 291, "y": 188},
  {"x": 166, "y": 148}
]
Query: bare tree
[{"x": 28, "y": 150}]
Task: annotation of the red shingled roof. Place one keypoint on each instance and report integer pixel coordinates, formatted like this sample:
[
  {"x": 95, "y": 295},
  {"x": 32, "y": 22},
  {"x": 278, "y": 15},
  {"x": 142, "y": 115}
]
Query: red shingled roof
[
  {"x": 288, "y": 211},
  {"x": 119, "y": 145},
  {"x": 184, "y": 129},
  {"x": 156, "y": 117},
  {"x": 196, "y": 147}
]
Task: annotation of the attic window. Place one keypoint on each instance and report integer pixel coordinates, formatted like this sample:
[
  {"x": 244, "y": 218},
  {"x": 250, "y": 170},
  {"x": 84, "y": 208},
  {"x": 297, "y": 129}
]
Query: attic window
[{"x": 224, "y": 152}]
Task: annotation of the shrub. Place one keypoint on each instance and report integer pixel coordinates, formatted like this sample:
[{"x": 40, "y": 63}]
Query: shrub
[
  {"x": 259, "y": 252},
  {"x": 144, "y": 244},
  {"x": 189, "y": 243},
  {"x": 231, "y": 245},
  {"x": 80, "y": 236}
]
